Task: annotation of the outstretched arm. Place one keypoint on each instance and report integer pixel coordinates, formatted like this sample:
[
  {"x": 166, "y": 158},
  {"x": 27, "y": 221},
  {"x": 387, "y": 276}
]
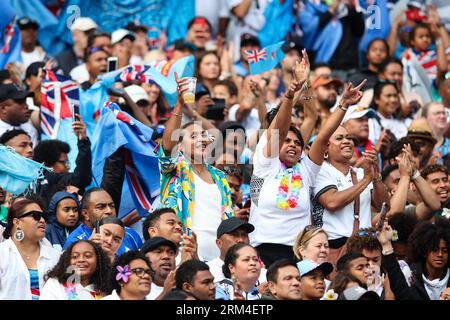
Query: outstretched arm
[
  {"x": 278, "y": 129},
  {"x": 350, "y": 96},
  {"x": 174, "y": 122}
]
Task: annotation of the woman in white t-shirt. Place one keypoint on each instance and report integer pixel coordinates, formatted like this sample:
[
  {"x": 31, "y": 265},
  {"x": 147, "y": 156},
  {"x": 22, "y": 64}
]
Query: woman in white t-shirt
[
  {"x": 283, "y": 175},
  {"x": 131, "y": 277},
  {"x": 338, "y": 184},
  {"x": 387, "y": 102},
  {"x": 82, "y": 273}
]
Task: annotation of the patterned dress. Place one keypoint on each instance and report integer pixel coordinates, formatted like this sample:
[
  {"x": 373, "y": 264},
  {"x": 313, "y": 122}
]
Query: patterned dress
[{"x": 178, "y": 188}]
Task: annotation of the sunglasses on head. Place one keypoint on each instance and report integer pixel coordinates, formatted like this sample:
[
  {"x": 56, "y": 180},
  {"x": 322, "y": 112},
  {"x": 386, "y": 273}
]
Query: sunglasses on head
[{"x": 37, "y": 215}]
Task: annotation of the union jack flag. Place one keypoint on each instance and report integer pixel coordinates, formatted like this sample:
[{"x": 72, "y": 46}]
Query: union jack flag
[
  {"x": 135, "y": 72},
  {"x": 256, "y": 55},
  {"x": 59, "y": 100}
]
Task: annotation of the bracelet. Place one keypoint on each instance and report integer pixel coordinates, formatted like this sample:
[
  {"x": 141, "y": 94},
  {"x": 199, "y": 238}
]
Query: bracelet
[
  {"x": 306, "y": 86},
  {"x": 307, "y": 98},
  {"x": 176, "y": 114},
  {"x": 386, "y": 253},
  {"x": 378, "y": 178},
  {"x": 415, "y": 175},
  {"x": 356, "y": 216},
  {"x": 340, "y": 106}
]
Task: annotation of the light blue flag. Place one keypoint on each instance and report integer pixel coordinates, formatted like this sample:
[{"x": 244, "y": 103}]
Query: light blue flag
[
  {"x": 280, "y": 19},
  {"x": 265, "y": 59},
  {"x": 10, "y": 39}
]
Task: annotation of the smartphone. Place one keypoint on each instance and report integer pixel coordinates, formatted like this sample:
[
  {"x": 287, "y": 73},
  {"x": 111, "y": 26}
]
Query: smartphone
[
  {"x": 383, "y": 212},
  {"x": 113, "y": 63},
  {"x": 215, "y": 112},
  {"x": 247, "y": 203},
  {"x": 97, "y": 227},
  {"x": 75, "y": 112}
]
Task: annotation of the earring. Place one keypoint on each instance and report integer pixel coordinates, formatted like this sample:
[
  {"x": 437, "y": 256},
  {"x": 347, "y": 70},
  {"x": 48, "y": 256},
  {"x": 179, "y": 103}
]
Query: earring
[
  {"x": 19, "y": 234},
  {"x": 325, "y": 156}
]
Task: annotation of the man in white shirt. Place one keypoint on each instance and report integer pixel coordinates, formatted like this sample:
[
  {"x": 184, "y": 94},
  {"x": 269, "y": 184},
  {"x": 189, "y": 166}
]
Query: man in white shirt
[
  {"x": 31, "y": 52},
  {"x": 230, "y": 232},
  {"x": 161, "y": 253},
  {"x": 14, "y": 112}
]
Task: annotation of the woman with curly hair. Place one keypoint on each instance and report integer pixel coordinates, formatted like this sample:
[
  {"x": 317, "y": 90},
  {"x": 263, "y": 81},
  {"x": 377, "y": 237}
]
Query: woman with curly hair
[
  {"x": 131, "y": 277},
  {"x": 82, "y": 273},
  {"x": 428, "y": 247}
]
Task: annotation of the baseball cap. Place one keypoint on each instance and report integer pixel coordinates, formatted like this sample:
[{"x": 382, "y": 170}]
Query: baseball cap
[
  {"x": 136, "y": 93},
  {"x": 156, "y": 242},
  {"x": 12, "y": 91},
  {"x": 358, "y": 293},
  {"x": 325, "y": 80},
  {"x": 26, "y": 23},
  {"x": 292, "y": 45},
  {"x": 248, "y": 39},
  {"x": 357, "y": 111},
  {"x": 83, "y": 24},
  {"x": 307, "y": 266},
  {"x": 231, "y": 224},
  {"x": 121, "y": 34}
]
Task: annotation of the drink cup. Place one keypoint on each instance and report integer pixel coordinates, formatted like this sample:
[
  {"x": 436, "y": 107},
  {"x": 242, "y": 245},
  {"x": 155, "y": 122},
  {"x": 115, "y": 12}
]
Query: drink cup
[{"x": 189, "y": 95}]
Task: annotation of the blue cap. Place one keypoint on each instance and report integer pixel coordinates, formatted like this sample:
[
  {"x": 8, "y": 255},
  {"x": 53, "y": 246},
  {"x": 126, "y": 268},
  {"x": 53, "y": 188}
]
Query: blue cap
[{"x": 307, "y": 266}]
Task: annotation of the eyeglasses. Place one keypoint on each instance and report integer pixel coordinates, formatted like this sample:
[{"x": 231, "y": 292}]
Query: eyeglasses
[
  {"x": 141, "y": 271},
  {"x": 37, "y": 215},
  {"x": 65, "y": 163}
]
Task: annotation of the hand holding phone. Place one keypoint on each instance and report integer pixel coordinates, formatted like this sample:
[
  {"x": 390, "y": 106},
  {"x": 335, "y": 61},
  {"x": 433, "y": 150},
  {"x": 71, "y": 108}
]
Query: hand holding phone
[
  {"x": 383, "y": 212},
  {"x": 113, "y": 63}
]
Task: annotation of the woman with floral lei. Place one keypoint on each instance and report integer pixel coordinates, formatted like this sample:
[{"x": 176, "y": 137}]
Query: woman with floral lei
[
  {"x": 82, "y": 273},
  {"x": 131, "y": 277},
  {"x": 283, "y": 174}
]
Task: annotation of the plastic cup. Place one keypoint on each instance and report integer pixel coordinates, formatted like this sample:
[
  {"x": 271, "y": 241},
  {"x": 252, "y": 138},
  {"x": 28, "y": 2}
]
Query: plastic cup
[{"x": 189, "y": 95}]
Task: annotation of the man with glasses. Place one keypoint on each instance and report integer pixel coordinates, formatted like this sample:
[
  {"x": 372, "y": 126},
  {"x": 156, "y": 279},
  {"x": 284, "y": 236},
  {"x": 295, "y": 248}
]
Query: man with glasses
[{"x": 436, "y": 117}]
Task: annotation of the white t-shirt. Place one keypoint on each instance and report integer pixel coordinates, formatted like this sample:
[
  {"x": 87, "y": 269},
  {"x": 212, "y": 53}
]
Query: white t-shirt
[
  {"x": 38, "y": 54},
  {"x": 80, "y": 73},
  {"x": 253, "y": 21},
  {"x": 212, "y": 10},
  {"x": 27, "y": 127},
  {"x": 53, "y": 290},
  {"x": 340, "y": 223},
  {"x": 272, "y": 224},
  {"x": 207, "y": 217},
  {"x": 215, "y": 267},
  {"x": 155, "y": 292},
  {"x": 397, "y": 127},
  {"x": 251, "y": 123}
]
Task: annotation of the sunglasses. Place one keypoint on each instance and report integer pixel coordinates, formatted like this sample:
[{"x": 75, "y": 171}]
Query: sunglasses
[
  {"x": 37, "y": 215},
  {"x": 141, "y": 271}
]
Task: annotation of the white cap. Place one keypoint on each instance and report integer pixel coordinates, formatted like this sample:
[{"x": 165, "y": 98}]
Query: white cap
[
  {"x": 357, "y": 111},
  {"x": 136, "y": 93},
  {"x": 120, "y": 34},
  {"x": 83, "y": 24}
]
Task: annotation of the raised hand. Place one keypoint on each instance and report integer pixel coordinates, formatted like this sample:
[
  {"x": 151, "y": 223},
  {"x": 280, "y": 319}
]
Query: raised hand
[
  {"x": 385, "y": 235},
  {"x": 302, "y": 69},
  {"x": 404, "y": 165},
  {"x": 181, "y": 88},
  {"x": 352, "y": 95},
  {"x": 79, "y": 128},
  {"x": 255, "y": 88},
  {"x": 293, "y": 88}
]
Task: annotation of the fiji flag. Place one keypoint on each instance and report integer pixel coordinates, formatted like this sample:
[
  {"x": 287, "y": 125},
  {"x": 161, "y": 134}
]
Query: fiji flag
[
  {"x": 264, "y": 59},
  {"x": 116, "y": 129},
  {"x": 10, "y": 39}
]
